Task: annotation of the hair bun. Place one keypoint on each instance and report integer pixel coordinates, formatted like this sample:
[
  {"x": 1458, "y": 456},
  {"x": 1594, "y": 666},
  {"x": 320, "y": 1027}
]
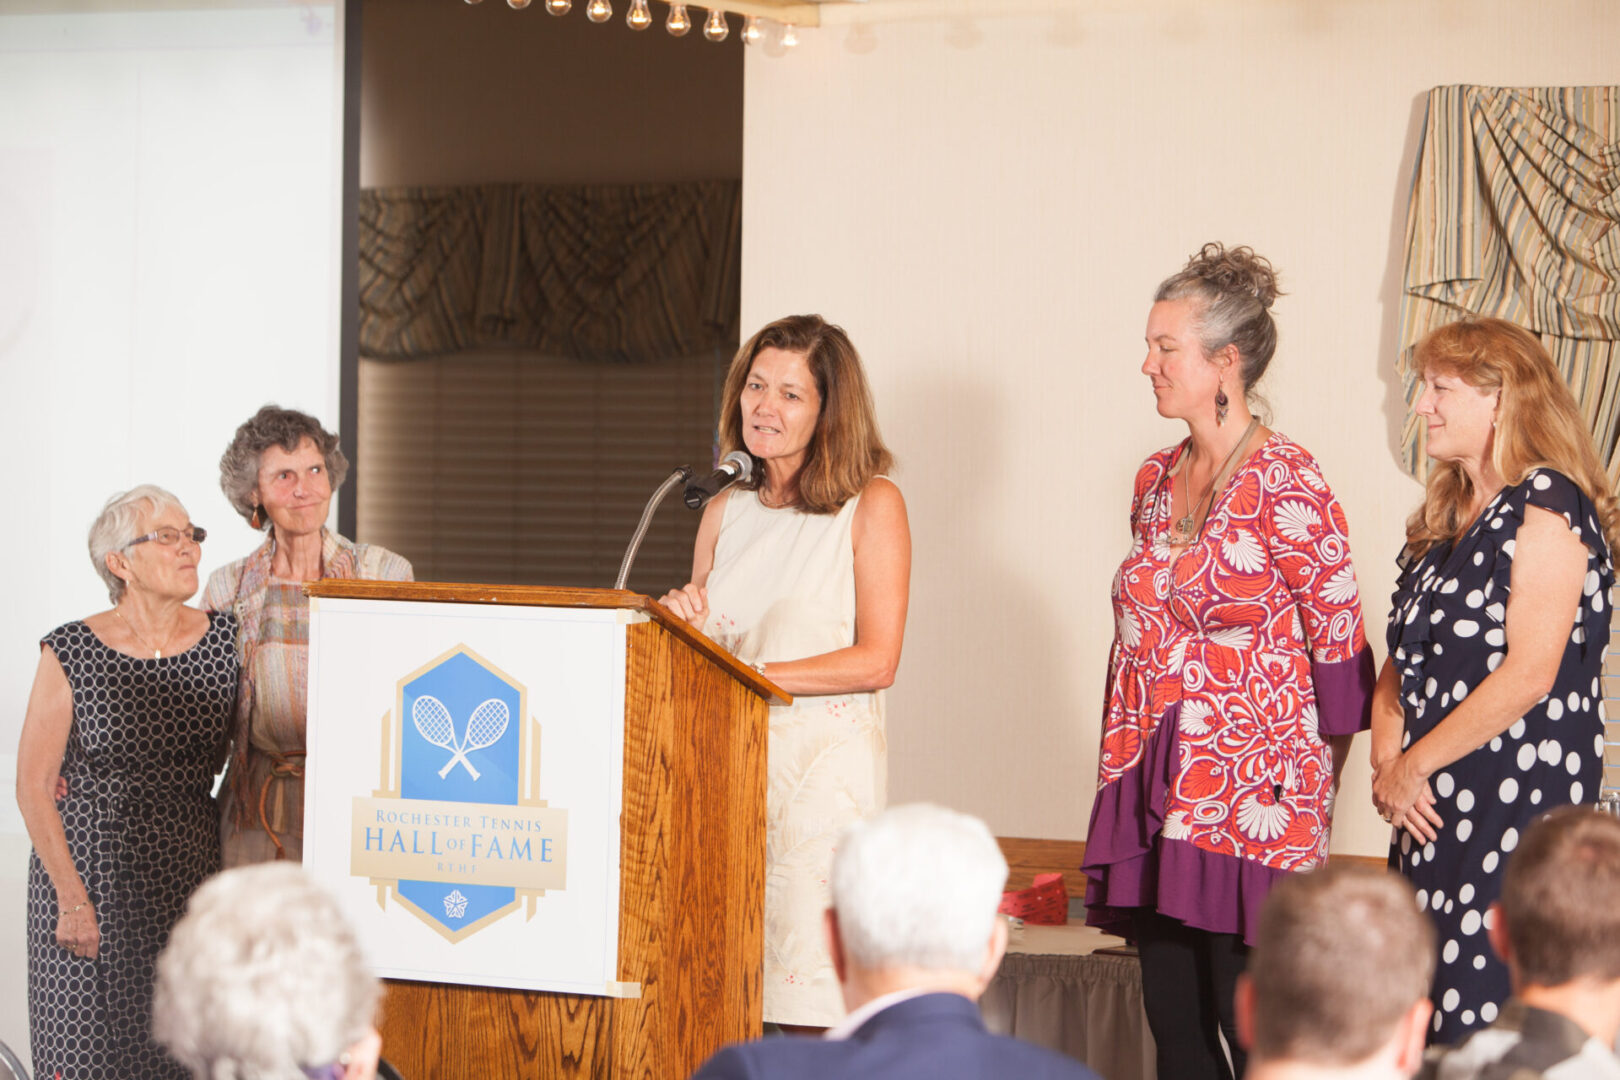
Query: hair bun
[{"x": 1234, "y": 271}]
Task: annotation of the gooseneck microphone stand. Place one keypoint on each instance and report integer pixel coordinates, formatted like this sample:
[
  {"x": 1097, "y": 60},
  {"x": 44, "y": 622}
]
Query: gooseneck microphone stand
[{"x": 681, "y": 475}]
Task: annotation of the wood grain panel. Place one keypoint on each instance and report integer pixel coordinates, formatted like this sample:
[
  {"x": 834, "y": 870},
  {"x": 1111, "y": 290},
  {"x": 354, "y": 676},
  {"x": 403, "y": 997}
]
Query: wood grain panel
[
  {"x": 695, "y": 924},
  {"x": 1028, "y": 856},
  {"x": 692, "y": 886}
]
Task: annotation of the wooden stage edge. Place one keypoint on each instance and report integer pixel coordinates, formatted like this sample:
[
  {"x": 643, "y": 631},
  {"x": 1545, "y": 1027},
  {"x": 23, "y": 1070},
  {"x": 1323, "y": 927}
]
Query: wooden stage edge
[{"x": 1028, "y": 856}]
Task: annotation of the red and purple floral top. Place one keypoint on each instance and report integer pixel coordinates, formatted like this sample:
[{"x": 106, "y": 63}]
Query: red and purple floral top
[{"x": 1233, "y": 662}]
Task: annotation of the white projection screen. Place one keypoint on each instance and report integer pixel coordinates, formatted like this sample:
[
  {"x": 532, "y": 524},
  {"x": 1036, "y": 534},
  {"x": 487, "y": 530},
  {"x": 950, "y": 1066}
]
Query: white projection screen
[{"x": 171, "y": 193}]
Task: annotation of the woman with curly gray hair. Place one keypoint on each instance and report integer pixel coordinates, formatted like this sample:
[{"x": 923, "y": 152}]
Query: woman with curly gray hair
[
  {"x": 279, "y": 472},
  {"x": 1238, "y": 674},
  {"x": 129, "y": 714},
  {"x": 263, "y": 979}
]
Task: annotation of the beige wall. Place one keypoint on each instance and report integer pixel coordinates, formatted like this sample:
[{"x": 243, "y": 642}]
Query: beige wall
[
  {"x": 453, "y": 93},
  {"x": 987, "y": 203}
]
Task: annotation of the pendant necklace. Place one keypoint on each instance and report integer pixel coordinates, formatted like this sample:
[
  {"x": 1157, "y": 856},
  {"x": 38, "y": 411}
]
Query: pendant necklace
[
  {"x": 1185, "y": 525},
  {"x": 157, "y": 653}
]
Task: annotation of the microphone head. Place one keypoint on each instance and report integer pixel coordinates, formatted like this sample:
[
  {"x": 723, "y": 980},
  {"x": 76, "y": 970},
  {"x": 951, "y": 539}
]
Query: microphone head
[{"x": 740, "y": 462}]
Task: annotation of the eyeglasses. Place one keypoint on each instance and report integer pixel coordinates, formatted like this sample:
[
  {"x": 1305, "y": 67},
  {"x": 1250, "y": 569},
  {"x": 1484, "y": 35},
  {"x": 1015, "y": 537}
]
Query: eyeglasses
[{"x": 169, "y": 536}]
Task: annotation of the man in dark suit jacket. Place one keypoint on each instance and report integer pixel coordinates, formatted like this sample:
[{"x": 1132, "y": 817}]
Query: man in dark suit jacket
[{"x": 915, "y": 939}]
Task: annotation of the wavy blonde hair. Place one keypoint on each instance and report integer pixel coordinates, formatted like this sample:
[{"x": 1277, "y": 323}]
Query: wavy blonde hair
[
  {"x": 846, "y": 452},
  {"x": 1538, "y": 425}
]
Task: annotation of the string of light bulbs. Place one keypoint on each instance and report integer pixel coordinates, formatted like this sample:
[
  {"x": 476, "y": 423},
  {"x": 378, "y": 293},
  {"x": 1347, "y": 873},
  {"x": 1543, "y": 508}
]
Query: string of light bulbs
[{"x": 640, "y": 17}]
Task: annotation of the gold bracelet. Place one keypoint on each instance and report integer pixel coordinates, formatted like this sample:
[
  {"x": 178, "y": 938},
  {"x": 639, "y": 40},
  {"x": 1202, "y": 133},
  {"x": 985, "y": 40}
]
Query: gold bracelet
[{"x": 81, "y": 905}]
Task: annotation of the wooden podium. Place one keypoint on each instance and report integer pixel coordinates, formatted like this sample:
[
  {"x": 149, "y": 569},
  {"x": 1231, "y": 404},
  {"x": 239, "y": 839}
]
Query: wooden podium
[{"x": 692, "y": 873}]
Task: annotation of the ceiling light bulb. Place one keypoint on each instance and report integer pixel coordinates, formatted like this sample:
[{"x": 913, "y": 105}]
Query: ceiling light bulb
[
  {"x": 751, "y": 32},
  {"x": 516, "y": 5},
  {"x": 679, "y": 22},
  {"x": 475, "y": 1},
  {"x": 640, "y": 16},
  {"x": 790, "y": 36},
  {"x": 559, "y": 7},
  {"x": 715, "y": 27},
  {"x": 599, "y": 11}
]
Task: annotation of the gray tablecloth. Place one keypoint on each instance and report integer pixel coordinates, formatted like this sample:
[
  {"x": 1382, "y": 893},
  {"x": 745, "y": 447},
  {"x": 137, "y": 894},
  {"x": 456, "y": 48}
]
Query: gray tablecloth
[{"x": 1054, "y": 990}]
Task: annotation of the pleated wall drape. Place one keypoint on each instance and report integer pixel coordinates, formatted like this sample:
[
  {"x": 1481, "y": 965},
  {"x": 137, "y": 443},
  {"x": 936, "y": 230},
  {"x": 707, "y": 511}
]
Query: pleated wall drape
[
  {"x": 1515, "y": 213},
  {"x": 534, "y": 360},
  {"x": 593, "y": 272}
]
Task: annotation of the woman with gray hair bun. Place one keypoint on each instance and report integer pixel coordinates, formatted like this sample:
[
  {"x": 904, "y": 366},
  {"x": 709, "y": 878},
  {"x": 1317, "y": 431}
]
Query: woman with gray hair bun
[
  {"x": 279, "y": 472},
  {"x": 1238, "y": 674},
  {"x": 263, "y": 980},
  {"x": 130, "y": 710}
]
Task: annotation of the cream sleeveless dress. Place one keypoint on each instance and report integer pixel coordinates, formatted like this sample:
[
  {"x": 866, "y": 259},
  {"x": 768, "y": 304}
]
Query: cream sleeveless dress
[{"x": 783, "y": 588}]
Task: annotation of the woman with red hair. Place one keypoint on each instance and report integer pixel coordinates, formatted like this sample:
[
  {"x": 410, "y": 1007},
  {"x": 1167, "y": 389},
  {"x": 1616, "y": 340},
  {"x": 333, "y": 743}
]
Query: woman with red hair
[{"x": 1489, "y": 709}]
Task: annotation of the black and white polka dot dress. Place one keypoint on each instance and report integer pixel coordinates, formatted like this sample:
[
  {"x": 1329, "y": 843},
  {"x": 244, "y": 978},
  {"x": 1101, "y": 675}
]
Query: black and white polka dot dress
[
  {"x": 1446, "y": 634},
  {"x": 143, "y": 830}
]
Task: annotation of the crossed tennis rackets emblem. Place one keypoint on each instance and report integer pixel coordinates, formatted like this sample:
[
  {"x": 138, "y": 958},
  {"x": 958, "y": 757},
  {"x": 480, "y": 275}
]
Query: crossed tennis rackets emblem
[{"x": 484, "y": 729}]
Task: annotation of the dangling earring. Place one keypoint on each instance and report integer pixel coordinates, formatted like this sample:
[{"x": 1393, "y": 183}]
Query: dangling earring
[
  {"x": 1221, "y": 404},
  {"x": 256, "y": 521}
]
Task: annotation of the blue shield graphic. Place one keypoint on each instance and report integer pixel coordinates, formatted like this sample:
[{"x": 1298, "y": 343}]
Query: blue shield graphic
[{"x": 461, "y": 735}]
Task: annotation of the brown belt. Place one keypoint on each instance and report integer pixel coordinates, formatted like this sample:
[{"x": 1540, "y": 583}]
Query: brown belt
[{"x": 282, "y": 767}]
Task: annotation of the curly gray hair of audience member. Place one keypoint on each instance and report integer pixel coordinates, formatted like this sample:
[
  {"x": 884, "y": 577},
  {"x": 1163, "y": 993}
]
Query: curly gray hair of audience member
[
  {"x": 273, "y": 426},
  {"x": 917, "y": 886},
  {"x": 120, "y": 522},
  {"x": 262, "y": 979}
]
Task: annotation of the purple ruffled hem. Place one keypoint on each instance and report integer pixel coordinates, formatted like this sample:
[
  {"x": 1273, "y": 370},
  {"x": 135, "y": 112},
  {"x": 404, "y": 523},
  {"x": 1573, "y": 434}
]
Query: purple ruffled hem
[
  {"x": 1344, "y": 690},
  {"x": 1218, "y": 893},
  {"x": 1129, "y": 863}
]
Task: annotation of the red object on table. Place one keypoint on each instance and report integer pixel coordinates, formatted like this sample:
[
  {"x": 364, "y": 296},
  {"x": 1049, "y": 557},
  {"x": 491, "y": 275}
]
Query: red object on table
[{"x": 1045, "y": 903}]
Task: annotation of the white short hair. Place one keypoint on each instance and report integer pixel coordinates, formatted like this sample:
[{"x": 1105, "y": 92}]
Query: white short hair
[
  {"x": 261, "y": 978},
  {"x": 917, "y": 886},
  {"x": 119, "y": 522}
]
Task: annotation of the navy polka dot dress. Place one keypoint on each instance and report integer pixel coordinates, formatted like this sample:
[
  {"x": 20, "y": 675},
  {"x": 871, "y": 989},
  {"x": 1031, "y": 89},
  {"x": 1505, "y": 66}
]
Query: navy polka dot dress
[
  {"x": 1446, "y": 634},
  {"x": 143, "y": 830}
]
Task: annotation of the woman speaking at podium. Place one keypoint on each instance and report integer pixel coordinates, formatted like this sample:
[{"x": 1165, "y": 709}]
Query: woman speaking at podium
[
  {"x": 804, "y": 572},
  {"x": 279, "y": 473}
]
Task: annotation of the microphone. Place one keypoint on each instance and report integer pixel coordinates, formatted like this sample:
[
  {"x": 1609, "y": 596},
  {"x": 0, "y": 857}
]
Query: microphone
[{"x": 735, "y": 466}]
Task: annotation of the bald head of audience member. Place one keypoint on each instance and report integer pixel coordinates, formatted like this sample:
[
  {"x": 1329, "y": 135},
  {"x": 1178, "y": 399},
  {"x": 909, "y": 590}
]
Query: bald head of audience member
[
  {"x": 1338, "y": 981},
  {"x": 1557, "y": 924},
  {"x": 914, "y": 897}
]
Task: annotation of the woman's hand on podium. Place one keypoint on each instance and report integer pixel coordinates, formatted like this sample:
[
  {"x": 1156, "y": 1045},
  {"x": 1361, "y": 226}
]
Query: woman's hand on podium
[{"x": 690, "y": 602}]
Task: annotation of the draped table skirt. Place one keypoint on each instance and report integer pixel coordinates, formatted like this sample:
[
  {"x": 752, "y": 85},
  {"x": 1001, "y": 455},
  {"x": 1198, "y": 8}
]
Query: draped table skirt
[{"x": 1056, "y": 990}]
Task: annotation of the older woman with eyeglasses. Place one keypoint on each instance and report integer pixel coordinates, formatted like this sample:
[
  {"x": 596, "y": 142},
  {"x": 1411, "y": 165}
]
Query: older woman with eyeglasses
[
  {"x": 280, "y": 472},
  {"x": 131, "y": 708}
]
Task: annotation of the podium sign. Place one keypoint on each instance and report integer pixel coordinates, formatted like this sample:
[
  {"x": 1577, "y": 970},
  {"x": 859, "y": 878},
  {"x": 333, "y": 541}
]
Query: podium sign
[
  {"x": 544, "y": 809},
  {"x": 464, "y": 785}
]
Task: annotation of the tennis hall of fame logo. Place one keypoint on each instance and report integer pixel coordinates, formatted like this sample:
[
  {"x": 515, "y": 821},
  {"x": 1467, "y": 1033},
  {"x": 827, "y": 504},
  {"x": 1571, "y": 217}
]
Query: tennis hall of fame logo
[{"x": 456, "y": 831}]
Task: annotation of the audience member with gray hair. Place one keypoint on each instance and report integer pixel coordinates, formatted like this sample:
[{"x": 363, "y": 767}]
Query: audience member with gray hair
[
  {"x": 1338, "y": 979},
  {"x": 263, "y": 979},
  {"x": 915, "y": 939},
  {"x": 125, "y": 729},
  {"x": 1557, "y": 928}
]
